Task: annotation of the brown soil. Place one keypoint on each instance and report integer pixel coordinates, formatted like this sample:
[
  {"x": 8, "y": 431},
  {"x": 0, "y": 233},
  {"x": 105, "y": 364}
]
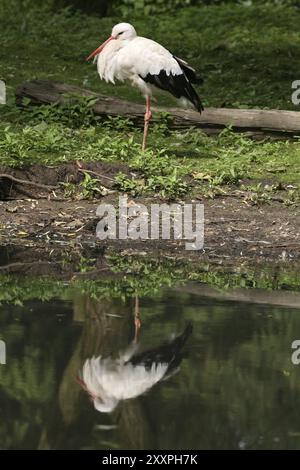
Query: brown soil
[{"x": 43, "y": 219}]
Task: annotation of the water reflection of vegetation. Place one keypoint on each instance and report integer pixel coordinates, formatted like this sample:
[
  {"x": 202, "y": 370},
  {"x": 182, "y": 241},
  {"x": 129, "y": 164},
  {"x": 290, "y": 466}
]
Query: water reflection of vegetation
[{"x": 135, "y": 275}]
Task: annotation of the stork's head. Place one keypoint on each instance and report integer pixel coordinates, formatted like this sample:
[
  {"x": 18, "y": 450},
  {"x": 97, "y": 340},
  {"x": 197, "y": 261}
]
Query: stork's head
[
  {"x": 123, "y": 31},
  {"x": 120, "y": 32},
  {"x": 105, "y": 406}
]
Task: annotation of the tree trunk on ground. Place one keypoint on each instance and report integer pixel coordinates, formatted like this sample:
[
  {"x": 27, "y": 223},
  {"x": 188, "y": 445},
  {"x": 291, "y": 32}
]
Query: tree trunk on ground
[{"x": 255, "y": 122}]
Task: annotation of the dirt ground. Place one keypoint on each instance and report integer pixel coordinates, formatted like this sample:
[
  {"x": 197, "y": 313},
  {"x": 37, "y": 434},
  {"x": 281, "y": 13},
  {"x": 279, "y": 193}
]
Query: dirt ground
[{"x": 43, "y": 219}]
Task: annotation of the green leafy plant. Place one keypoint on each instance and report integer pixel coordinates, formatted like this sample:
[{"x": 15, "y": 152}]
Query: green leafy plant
[
  {"x": 75, "y": 111},
  {"x": 128, "y": 185},
  {"x": 89, "y": 188}
]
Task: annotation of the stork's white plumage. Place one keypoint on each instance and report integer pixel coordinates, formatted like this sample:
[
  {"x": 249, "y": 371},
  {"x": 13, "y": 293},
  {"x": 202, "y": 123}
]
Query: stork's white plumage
[
  {"x": 109, "y": 381},
  {"x": 145, "y": 63}
]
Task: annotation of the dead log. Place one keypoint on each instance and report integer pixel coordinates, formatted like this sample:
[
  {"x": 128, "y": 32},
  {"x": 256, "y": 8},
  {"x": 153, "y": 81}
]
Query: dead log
[{"x": 257, "y": 123}]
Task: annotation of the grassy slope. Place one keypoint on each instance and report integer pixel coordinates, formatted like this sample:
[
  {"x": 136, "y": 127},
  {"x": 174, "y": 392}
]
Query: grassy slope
[{"x": 248, "y": 55}]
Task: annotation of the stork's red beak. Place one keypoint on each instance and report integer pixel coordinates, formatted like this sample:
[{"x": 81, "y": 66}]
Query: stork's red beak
[
  {"x": 100, "y": 48},
  {"x": 81, "y": 382},
  {"x": 84, "y": 387}
]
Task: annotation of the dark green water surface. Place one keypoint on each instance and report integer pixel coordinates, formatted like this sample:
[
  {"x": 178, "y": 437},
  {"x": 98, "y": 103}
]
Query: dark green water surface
[{"x": 236, "y": 388}]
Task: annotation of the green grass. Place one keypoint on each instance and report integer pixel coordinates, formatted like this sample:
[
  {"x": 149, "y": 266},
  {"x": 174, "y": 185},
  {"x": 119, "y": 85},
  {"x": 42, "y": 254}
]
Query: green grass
[
  {"x": 248, "y": 55},
  {"x": 50, "y": 136}
]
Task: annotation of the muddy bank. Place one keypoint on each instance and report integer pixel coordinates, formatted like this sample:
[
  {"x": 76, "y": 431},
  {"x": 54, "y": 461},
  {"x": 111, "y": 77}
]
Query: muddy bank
[
  {"x": 35, "y": 212},
  {"x": 233, "y": 232}
]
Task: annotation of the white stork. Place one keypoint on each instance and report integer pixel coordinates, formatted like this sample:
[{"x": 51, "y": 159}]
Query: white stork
[
  {"x": 143, "y": 62},
  {"x": 108, "y": 381}
]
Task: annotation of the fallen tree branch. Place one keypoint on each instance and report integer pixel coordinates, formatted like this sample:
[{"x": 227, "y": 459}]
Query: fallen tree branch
[
  {"x": 90, "y": 273},
  {"x": 31, "y": 183},
  {"x": 23, "y": 265},
  {"x": 257, "y": 123},
  {"x": 83, "y": 170},
  {"x": 254, "y": 242}
]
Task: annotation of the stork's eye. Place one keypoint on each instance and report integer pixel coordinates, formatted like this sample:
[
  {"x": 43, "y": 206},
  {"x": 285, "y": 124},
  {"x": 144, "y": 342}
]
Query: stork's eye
[{"x": 119, "y": 34}]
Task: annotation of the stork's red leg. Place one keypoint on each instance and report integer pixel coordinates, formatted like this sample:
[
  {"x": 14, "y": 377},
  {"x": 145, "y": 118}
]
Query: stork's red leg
[
  {"x": 148, "y": 116},
  {"x": 137, "y": 321}
]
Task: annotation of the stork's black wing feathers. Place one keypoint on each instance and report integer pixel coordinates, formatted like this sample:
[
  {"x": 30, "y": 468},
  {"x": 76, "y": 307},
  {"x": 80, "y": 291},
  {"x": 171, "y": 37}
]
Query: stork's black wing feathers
[
  {"x": 168, "y": 353},
  {"x": 189, "y": 71},
  {"x": 178, "y": 85}
]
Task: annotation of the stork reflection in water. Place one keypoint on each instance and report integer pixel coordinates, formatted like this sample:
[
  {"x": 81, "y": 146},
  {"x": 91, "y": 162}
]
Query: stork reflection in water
[{"x": 109, "y": 380}]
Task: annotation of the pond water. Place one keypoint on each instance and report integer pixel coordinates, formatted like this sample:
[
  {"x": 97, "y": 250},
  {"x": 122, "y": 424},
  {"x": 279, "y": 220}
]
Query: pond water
[{"x": 236, "y": 387}]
